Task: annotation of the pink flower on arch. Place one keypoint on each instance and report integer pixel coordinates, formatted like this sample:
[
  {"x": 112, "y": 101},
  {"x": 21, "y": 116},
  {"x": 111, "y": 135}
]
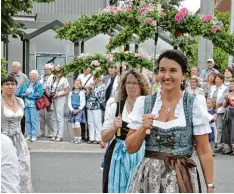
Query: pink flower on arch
[
  {"x": 163, "y": 14},
  {"x": 181, "y": 14},
  {"x": 215, "y": 29},
  {"x": 110, "y": 57},
  {"x": 95, "y": 63},
  {"x": 207, "y": 18},
  {"x": 150, "y": 21},
  {"x": 145, "y": 9}
]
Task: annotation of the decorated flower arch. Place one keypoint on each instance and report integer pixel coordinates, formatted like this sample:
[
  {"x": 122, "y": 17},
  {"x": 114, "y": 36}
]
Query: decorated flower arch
[
  {"x": 100, "y": 62},
  {"x": 142, "y": 22}
]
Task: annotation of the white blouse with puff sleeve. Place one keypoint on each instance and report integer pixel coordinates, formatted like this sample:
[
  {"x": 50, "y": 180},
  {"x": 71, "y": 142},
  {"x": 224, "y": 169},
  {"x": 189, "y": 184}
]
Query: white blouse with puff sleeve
[
  {"x": 111, "y": 107},
  {"x": 201, "y": 117}
]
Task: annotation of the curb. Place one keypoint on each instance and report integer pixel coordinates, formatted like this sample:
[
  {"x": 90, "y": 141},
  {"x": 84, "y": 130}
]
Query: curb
[{"x": 50, "y": 146}]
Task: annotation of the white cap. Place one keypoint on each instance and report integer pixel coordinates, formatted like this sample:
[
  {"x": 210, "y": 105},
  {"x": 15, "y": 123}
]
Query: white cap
[{"x": 210, "y": 60}]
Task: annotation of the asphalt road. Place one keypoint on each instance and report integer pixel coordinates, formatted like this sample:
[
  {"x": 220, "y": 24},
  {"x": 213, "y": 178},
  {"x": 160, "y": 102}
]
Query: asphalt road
[{"x": 80, "y": 173}]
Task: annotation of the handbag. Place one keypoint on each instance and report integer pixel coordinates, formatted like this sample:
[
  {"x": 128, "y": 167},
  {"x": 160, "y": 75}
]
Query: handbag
[
  {"x": 51, "y": 107},
  {"x": 42, "y": 103}
]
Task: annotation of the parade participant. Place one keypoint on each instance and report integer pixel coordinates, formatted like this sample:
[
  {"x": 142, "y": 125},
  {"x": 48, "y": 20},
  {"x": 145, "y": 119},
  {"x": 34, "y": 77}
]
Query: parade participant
[
  {"x": 58, "y": 93},
  {"x": 169, "y": 121},
  {"x": 76, "y": 104},
  {"x": 30, "y": 92},
  {"x": 121, "y": 165},
  {"x": 228, "y": 129},
  {"x": 10, "y": 180},
  {"x": 95, "y": 98},
  {"x": 12, "y": 111}
]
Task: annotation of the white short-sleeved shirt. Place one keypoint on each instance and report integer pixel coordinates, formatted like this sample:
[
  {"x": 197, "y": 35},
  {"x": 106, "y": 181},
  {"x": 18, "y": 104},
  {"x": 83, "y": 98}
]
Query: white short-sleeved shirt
[
  {"x": 87, "y": 80},
  {"x": 10, "y": 179},
  {"x": 201, "y": 117},
  {"x": 110, "y": 114}
]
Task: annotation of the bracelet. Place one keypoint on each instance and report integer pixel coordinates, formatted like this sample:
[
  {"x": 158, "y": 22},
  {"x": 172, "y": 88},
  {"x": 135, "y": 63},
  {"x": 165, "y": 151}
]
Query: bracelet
[{"x": 211, "y": 185}]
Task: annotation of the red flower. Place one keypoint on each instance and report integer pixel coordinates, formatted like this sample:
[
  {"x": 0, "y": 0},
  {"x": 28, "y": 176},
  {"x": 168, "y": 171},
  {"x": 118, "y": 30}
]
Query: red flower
[
  {"x": 129, "y": 10},
  {"x": 213, "y": 30},
  {"x": 179, "y": 34}
]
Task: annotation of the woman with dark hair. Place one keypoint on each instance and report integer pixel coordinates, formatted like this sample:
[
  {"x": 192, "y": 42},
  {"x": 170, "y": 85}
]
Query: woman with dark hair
[
  {"x": 217, "y": 94},
  {"x": 12, "y": 111},
  {"x": 210, "y": 82},
  {"x": 119, "y": 166},
  {"x": 227, "y": 76},
  {"x": 228, "y": 128},
  {"x": 169, "y": 121}
]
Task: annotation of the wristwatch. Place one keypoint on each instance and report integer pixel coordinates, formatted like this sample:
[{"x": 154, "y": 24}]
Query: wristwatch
[{"x": 211, "y": 185}]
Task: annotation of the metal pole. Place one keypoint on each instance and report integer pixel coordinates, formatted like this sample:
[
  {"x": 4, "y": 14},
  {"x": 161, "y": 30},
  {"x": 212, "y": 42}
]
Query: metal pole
[{"x": 230, "y": 59}]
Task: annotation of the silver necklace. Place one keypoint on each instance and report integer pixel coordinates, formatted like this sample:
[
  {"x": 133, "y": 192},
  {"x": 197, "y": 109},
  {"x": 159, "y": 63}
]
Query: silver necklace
[
  {"x": 168, "y": 110},
  {"x": 11, "y": 105},
  {"x": 130, "y": 104}
]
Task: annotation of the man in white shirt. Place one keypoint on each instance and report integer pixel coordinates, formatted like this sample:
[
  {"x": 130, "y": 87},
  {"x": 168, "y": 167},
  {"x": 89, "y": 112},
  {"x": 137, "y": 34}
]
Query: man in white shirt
[
  {"x": 45, "y": 116},
  {"x": 87, "y": 82},
  {"x": 10, "y": 179}
]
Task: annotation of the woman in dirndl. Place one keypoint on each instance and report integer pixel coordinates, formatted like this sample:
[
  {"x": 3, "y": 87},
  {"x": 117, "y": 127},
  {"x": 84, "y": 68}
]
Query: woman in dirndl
[
  {"x": 119, "y": 165},
  {"x": 169, "y": 121},
  {"x": 228, "y": 128}
]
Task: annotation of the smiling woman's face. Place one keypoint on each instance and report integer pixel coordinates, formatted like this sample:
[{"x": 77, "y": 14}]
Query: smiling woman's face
[{"x": 170, "y": 74}]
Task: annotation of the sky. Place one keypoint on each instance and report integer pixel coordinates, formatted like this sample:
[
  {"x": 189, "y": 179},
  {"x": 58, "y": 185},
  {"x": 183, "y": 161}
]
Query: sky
[{"x": 192, "y": 5}]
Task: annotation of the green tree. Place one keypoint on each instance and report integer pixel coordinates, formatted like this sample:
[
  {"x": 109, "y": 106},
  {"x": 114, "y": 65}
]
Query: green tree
[
  {"x": 220, "y": 57},
  {"x": 11, "y": 8},
  {"x": 3, "y": 68},
  {"x": 165, "y": 3}
]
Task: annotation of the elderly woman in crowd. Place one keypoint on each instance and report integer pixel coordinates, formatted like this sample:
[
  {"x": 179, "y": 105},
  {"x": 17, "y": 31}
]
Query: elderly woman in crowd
[
  {"x": 30, "y": 92},
  {"x": 45, "y": 115},
  {"x": 228, "y": 130},
  {"x": 169, "y": 121},
  {"x": 210, "y": 82},
  {"x": 119, "y": 166},
  {"x": 12, "y": 111},
  {"x": 217, "y": 94},
  {"x": 227, "y": 76},
  {"x": 194, "y": 89},
  {"x": 58, "y": 92}
]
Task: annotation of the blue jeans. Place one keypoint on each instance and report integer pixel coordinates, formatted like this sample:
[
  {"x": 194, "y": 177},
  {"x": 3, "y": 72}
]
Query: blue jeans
[{"x": 32, "y": 119}]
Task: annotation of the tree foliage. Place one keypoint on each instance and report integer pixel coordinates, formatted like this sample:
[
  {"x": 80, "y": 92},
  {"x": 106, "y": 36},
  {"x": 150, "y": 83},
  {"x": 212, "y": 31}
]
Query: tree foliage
[
  {"x": 3, "y": 68},
  {"x": 11, "y": 8},
  {"x": 141, "y": 21},
  {"x": 220, "y": 57}
]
